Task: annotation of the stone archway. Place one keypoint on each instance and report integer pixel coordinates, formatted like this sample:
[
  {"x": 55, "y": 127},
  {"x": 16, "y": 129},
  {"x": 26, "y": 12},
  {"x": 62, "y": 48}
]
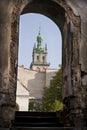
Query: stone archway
[{"x": 70, "y": 25}]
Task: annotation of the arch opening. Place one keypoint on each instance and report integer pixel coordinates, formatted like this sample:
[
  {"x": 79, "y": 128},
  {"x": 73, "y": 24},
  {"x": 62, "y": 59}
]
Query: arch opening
[
  {"x": 70, "y": 24},
  {"x": 65, "y": 23},
  {"x": 53, "y": 41}
]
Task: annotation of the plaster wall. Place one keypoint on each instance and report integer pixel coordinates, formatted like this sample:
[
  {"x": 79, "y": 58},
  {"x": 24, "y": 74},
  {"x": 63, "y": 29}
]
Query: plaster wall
[
  {"x": 22, "y": 96},
  {"x": 49, "y": 75},
  {"x": 22, "y": 102},
  {"x": 33, "y": 81},
  {"x": 30, "y": 85}
]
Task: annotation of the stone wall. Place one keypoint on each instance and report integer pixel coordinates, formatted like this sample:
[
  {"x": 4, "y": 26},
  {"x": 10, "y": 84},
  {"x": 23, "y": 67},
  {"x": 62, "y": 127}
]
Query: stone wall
[{"x": 71, "y": 17}]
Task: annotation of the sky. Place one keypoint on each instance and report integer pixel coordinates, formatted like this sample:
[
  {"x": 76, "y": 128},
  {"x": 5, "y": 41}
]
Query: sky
[{"x": 28, "y": 31}]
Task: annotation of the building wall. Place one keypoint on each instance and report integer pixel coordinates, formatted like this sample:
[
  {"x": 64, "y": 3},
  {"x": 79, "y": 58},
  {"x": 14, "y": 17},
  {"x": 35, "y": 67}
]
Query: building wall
[
  {"x": 22, "y": 98},
  {"x": 39, "y": 68},
  {"x": 49, "y": 75},
  {"x": 22, "y": 102},
  {"x": 30, "y": 84}
]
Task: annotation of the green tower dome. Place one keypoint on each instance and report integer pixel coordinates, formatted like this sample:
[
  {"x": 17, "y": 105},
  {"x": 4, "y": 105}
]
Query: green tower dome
[{"x": 39, "y": 48}]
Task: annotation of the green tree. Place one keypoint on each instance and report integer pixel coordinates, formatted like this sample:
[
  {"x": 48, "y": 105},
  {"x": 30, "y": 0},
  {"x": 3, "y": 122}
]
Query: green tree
[
  {"x": 35, "y": 105},
  {"x": 52, "y": 95},
  {"x": 56, "y": 106}
]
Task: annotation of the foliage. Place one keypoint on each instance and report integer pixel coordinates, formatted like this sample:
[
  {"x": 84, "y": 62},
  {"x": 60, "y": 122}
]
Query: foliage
[
  {"x": 35, "y": 105},
  {"x": 56, "y": 106},
  {"x": 52, "y": 94},
  {"x": 31, "y": 105}
]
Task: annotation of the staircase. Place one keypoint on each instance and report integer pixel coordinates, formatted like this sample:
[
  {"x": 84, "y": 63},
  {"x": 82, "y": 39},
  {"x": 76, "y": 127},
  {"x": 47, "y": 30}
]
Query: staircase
[{"x": 36, "y": 121}]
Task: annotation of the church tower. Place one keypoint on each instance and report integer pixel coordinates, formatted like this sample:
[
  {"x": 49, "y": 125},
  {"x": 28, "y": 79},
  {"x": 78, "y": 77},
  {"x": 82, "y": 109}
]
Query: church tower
[{"x": 39, "y": 56}]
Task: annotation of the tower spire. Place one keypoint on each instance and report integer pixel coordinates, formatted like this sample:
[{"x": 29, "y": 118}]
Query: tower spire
[
  {"x": 39, "y": 55},
  {"x": 39, "y": 40},
  {"x": 39, "y": 29},
  {"x": 46, "y": 47}
]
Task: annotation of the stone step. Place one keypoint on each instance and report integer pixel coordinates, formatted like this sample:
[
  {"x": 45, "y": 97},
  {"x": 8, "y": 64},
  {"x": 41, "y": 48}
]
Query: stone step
[
  {"x": 44, "y": 128},
  {"x": 34, "y": 120},
  {"x": 4, "y": 128},
  {"x": 44, "y": 124},
  {"x": 35, "y": 114}
]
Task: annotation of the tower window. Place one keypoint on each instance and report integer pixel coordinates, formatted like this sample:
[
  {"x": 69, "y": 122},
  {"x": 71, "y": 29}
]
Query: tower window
[
  {"x": 43, "y": 58},
  {"x": 37, "y": 58}
]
